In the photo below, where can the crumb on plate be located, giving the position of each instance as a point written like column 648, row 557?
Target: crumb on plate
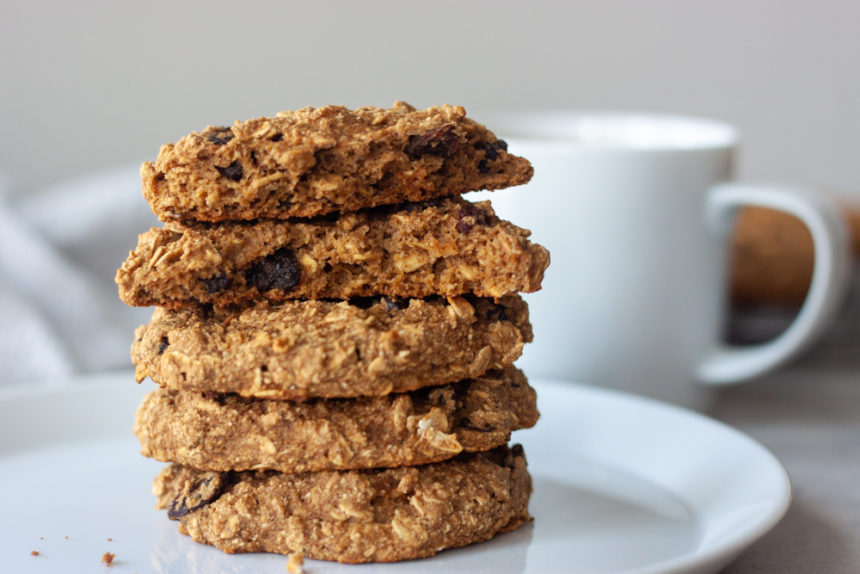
column 107, row 558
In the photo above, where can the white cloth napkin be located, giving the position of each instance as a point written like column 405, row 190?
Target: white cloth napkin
column 59, row 250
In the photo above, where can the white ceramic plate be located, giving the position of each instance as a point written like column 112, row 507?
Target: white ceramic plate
column 621, row 484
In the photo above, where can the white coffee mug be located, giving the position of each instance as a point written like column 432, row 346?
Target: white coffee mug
column 636, row 211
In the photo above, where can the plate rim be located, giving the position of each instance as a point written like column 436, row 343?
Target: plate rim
column 717, row 555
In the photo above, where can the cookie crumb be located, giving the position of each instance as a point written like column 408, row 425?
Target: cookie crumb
column 41, row 538
column 110, row 539
column 295, row 563
column 107, row 558
column 67, row 537
column 34, row 553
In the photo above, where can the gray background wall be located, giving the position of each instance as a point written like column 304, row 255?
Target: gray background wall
column 91, row 83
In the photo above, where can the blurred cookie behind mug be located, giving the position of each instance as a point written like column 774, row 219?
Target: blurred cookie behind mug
column 772, row 256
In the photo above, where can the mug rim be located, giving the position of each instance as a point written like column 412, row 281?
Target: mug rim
column 569, row 129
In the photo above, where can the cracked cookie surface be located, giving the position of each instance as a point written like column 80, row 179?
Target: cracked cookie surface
column 218, row 432
column 445, row 247
column 352, row 516
column 304, row 349
column 315, row 161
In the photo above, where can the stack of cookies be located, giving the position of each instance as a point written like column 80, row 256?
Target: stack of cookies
column 334, row 334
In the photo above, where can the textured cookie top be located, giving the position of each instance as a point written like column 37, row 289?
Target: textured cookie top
column 220, row 432
column 315, row 161
column 352, row 516
column 445, row 247
column 303, row 349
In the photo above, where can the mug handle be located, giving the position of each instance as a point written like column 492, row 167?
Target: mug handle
column 732, row 364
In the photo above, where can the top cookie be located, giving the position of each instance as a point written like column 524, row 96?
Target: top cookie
column 315, row 161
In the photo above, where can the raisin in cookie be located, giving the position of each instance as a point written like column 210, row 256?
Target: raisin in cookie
column 210, row 431
column 448, row 247
column 352, row 516
column 303, row 349
column 315, row 161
